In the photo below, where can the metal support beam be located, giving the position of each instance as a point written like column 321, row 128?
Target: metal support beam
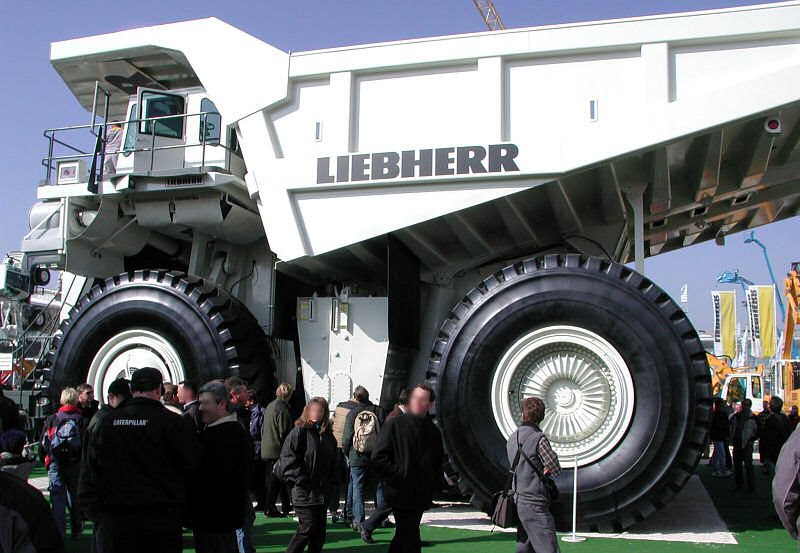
column 788, row 144
column 613, row 208
column 661, row 188
column 430, row 255
column 634, row 193
column 757, row 150
column 705, row 158
column 368, row 258
column 514, row 220
column 564, row 211
column 467, row 235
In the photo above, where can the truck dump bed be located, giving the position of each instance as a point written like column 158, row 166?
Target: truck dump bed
column 672, row 130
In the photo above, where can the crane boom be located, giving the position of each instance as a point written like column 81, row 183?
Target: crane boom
column 489, row 14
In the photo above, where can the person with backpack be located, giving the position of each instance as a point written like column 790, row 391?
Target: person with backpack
column 62, row 442
column 380, row 516
column 308, row 464
column 533, row 461
column 361, row 429
column 744, row 431
column 339, row 420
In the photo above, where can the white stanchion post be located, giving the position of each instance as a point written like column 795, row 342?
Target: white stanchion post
column 574, row 538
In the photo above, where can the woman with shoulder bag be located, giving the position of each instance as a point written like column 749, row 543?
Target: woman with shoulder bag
column 308, row 464
column 533, row 486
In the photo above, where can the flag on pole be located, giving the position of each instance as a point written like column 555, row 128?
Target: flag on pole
column 724, row 302
column 763, row 324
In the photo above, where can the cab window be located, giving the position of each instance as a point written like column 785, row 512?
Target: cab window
column 158, row 104
column 210, row 123
column 736, row 390
column 130, row 133
column 756, row 386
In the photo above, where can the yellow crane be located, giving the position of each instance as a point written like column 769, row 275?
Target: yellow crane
column 791, row 287
column 490, row 15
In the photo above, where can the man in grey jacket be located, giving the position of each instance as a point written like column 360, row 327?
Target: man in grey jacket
column 278, row 422
column 537, row 529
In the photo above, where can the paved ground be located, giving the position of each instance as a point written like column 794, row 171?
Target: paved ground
column 691, row 517
column 708, row 515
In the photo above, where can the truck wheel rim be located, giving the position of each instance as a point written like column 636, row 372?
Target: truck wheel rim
column 583, row 380
column 130, row 350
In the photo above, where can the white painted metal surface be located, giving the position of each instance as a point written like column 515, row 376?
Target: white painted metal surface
column 341, row 351
column 567, row 96
column 133, row 349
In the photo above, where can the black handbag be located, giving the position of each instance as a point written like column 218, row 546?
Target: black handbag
column 504, row 509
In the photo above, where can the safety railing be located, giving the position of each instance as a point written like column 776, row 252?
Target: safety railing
column 100, row 132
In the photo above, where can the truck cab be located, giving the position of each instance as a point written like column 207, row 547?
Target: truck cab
column 740, row 386
column 172, row 131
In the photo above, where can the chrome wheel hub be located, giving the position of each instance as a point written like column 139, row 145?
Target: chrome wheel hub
column 128, row 351
column 582, row 379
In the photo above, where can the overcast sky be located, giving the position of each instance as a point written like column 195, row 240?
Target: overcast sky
column 32, row 97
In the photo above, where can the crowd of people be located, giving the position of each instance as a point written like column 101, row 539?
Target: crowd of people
column 156, row 458
column 739, row 429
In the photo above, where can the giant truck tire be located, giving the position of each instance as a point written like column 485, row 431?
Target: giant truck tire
column 182, row 325
column 622, row 372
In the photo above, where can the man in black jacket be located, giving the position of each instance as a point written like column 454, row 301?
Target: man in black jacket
column 9, row 413
column 408, row 456
column 187, row 395
column 218, row 491
column 140, row 458
column 86, row 401
column 119, row 391
column 26, row 521
column 774, row 434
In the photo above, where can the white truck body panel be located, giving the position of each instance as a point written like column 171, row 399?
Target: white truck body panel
column 343, row 348
column 650, row 81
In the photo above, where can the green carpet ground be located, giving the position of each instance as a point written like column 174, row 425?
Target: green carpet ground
column 749, row 517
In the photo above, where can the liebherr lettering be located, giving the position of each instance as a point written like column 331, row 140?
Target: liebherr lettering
column 461, row 160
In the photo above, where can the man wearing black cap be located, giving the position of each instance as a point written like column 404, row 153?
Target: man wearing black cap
column 141, row 456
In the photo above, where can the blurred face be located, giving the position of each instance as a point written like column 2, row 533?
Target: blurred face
column 420, row 402
column 316, row 412
column 210, row 409
column 185, row 395
column 86, row 397
column 239, row 396
column 793, row 410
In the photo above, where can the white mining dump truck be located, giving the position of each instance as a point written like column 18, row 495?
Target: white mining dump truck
column 456, row 209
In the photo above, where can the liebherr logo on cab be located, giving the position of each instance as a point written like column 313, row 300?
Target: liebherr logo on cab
column 460, row 160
